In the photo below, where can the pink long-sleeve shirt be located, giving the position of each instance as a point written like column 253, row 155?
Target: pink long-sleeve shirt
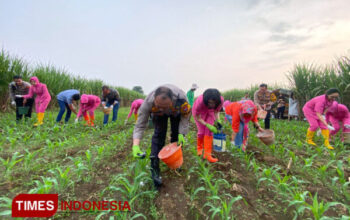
column 135, row 105
column 91, row 102
column 317, row 105
column 208, row 115
column 42, row 98
column 338, row 112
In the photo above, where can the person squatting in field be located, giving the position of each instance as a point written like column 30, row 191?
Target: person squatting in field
column 88, row 103
column 20, row 87
column 242, row 112
column 167, row 101
column 205, row 112
column 264, row 99
column 65, row 101
column 42, row 98
column 110, row 99
column 135, row 105
column 314, row 110
column 338, row 115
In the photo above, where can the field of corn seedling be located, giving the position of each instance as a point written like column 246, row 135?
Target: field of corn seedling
column 287, row 180
column 56, row 79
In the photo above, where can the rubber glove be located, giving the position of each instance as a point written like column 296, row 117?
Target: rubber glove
column 347, row 126
column 76, row 120
column 115, row 102
column 330, row 127
column 13, row 103
column 136, row 152
column 212, row 128
column 181, row 140
column 19, row 96
column 111, row 106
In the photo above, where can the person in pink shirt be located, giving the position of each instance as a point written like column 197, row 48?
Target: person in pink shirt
column 88, row 103
column 338, row 115
column 205, row 111
column 135, row 105
column 42, row 98
column 314, row 110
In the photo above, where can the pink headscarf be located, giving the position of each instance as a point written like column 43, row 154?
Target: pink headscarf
column 246, row 108
column 35, row 79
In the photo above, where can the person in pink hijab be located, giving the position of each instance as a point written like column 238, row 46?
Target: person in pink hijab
column 135, row 105
column 88, row 103
column 205, row 111
column 314, row 110
column 339, row 116
column 42, row 98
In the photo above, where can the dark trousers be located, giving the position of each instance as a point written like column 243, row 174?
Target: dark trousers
column 63, row 106
column 267, row 119
column 160, row 129
column 19, row 103
column 280, row 112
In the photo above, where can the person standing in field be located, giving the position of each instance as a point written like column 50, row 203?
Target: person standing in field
column 20, row 87
column 110, row 99
column 42, row 98
column 190, row 94
column 281, row 106
column 88, row 103
column 135, row 105
column 166, row 101
column 205, row 112
column 314, row 111
column 293, row 107
column 227, row 117
column 338, row 115
column 264, row 99
column 242, row 113
column 246, row 97
column 65, row 101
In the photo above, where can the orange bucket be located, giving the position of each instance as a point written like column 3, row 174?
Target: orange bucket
column 171, row 155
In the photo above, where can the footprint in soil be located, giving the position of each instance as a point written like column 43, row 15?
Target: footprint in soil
column 172, row 200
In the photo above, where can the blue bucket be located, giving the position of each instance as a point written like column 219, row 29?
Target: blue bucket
column 219, row 142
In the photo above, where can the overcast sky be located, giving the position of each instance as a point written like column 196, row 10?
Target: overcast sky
column 217, row 44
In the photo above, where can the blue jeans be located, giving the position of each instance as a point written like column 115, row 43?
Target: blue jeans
column 115, row 113
column 239, row 136
column 229, row 118
column 63, row 107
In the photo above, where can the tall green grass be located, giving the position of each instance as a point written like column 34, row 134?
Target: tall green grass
column 309, row 81
column 56, row 80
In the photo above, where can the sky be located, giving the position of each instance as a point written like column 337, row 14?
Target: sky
column 222, row 44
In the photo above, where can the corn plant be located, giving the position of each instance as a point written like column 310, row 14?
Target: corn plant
column 6, row 203
column 221, row 207
column 45, row 186
column 319, row 208
column 63, row 179
column 10, row 164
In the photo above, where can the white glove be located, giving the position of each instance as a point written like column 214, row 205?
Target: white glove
column 13, row 103
column 115, row 102
column 111, row 106
column 324, row 117
column 318, row 133
column 347, row 126
column 330, row 127
column 76, row 120
column 105, row 107
column 19, row 96
column 126, row 121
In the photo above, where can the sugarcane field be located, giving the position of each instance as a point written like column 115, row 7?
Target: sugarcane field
column 175, row 110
